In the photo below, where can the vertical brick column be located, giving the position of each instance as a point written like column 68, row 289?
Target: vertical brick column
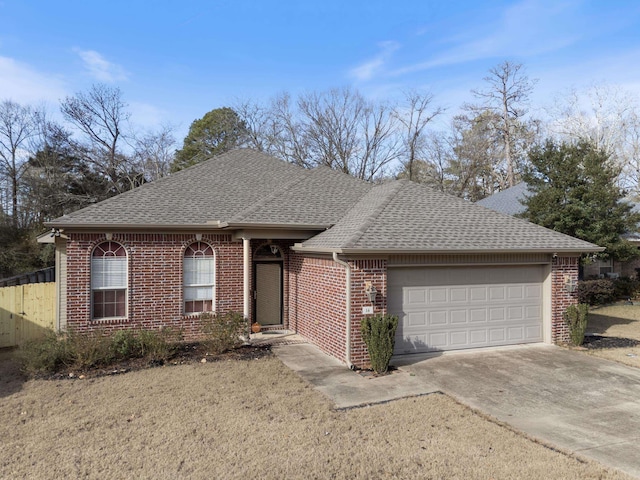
column 562, row 268
column 363, row 271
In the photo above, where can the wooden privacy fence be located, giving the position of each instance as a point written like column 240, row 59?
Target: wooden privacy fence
column 26, row 312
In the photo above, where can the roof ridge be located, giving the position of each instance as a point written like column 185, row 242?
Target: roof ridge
column 393, row 188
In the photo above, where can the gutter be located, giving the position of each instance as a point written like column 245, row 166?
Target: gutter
column 391, row 251
column 347, row 268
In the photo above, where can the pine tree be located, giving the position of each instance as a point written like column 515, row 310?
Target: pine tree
column 574, row 191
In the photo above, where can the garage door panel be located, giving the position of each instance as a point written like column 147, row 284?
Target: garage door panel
column 416, row 296
column 458, row 338
column 438, row 318
column 458, row 317
column 459, row 295
column 437, row 295
column 416, row 319
column 478, row 294
column 465, row 307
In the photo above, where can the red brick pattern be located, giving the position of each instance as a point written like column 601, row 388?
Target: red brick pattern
column 317, row 302
column 314, row 289
column 562, row 269
column 154, row 295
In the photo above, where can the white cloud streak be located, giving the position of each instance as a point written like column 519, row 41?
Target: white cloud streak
column 369, row 69
column 23, row 84
column 100, row 68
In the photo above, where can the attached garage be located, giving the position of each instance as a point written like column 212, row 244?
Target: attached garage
column 450, row 308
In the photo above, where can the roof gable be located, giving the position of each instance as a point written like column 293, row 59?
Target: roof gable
column 406, row 216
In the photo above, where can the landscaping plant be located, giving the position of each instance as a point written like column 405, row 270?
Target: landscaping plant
column 378, row 333
column 575, row 316
column 223, row 331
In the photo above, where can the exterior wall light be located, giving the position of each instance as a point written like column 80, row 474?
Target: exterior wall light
column 570, row 285
column 371, row 291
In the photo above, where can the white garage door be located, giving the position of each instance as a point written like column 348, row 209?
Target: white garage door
column 449, row 308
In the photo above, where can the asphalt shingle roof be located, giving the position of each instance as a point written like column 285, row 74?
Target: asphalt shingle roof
column 507, row 201
column 406, row 216
column 245, row 187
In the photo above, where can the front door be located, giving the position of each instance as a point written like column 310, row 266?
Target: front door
column 268, row 293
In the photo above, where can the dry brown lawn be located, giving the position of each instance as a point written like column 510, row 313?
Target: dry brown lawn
column 251, row 419
column 620, row 321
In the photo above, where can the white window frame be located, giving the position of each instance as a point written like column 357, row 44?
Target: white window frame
column 124, row 288
column 208, row 285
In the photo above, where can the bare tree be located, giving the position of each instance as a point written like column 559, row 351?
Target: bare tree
column 18, row 124
column 414, row 116
column 153, row 153
column 100, row 115
column 506, row 95
column 607, row 117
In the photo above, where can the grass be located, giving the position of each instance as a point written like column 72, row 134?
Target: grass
column 621, row 321
column 250, row 419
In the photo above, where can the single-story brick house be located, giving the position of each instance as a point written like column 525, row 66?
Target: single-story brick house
column 312, row 251
column 510, row 202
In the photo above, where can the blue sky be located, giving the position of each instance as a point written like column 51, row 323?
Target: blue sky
column 174, row 61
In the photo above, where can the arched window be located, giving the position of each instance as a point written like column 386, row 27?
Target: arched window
column 109, row 280
column 198, row 278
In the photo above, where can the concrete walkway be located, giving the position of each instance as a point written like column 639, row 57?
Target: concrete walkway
column 344, row 387
column 567, row 399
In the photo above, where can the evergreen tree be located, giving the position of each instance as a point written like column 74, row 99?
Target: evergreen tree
column 573, row 191
column 219, row 131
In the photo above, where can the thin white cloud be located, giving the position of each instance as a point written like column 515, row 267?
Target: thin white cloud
column 527, row 28
column 100, row 68
column 23, row 84
column 367, row 70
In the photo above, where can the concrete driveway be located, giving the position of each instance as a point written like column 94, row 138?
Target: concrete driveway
column 571, row 400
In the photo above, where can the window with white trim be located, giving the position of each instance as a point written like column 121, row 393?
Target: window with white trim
column 198, row 278
column 108, row 281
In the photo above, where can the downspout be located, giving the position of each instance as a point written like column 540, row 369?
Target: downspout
column 347, row 268
column 246, row 290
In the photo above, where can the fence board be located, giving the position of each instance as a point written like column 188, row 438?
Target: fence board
column 26, row 312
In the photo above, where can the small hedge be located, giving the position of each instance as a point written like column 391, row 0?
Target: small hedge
column 223, row 331
column 575, row 316
column 379, row 333
column 596, row 292
column 606, row 290
column 57, row 351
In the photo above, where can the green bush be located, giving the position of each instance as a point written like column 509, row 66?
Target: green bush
column 223, row 331
column 45, row 355
column 625, row 287
column 378, row 333
column 57, row 351
column 596, row 292
column 575, row 316
column 158, row 346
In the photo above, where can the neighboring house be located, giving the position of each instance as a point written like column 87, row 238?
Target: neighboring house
column 312, row 251
column 510, row 202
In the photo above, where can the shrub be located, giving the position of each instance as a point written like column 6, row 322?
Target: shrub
column 575, row 316
column 223, row 331
column 91, row 349
column 45, row 355
column 625, row 287
column 596, row 292
column 125, row 344
column 379, row 333
column 72, row 349
column 158, row 346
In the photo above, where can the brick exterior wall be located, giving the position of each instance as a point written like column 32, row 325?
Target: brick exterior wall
column 154, row 294
column 362, row 271
column 561, row 269
column 317, row 302
column 314, row 291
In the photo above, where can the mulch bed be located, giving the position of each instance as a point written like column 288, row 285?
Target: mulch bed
column 594, row 342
